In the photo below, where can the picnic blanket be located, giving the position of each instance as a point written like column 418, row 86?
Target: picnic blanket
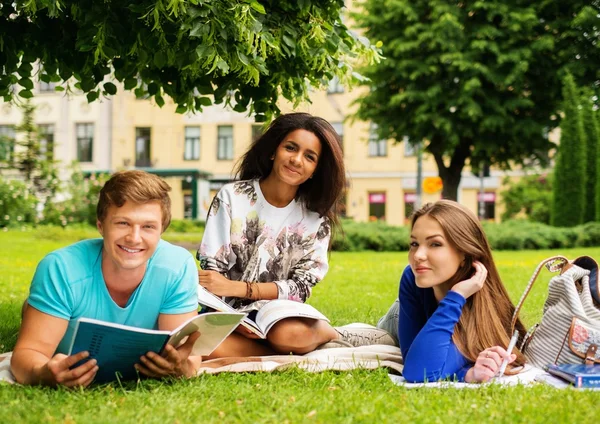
column 339, row 359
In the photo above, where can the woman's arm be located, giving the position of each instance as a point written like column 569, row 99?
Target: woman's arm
column 427, row 348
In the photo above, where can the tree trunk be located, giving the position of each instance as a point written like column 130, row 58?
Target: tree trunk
column 451, row 174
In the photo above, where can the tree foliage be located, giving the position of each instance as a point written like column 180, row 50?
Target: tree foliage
column 590, row 129
column 568, row 199
column 478, row 81
column 531, row 196
column 244, row 53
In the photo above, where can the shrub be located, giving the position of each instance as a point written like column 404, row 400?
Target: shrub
column 17, row 205
column 186, row 226
column 81, row 197
column 530, row 195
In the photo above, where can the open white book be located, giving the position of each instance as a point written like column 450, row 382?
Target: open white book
column 117, row 348
column 269, row 314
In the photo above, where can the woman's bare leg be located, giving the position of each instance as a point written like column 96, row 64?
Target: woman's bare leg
column 300, row 335
column 237, row 345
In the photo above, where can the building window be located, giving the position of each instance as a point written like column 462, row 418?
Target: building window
column 377, row 147
column 142, row 147
column 225, row 142
column 489, row 205
column 409, row 148
column 257, row 131
column 409, row 204
column 192, row 143
column 335, row 86
column 339, row 128
column 46, row 132
column 47, row 87
column 85, row 142
column 7, row 142
column 377, row 206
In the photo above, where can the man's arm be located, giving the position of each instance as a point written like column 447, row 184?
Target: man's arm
column 175, row 361
column 33, row 360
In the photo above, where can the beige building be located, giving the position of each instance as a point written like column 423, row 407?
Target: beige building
column 72, row 129
column 196, row 153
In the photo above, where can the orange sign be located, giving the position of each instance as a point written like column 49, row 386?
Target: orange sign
column 432, row 185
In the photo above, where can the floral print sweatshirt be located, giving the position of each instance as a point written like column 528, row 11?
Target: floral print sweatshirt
column 248, row 239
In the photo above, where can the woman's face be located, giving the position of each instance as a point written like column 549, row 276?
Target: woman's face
column 432, row 258
column 297, row 157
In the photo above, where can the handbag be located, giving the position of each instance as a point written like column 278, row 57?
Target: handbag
column 569, row 331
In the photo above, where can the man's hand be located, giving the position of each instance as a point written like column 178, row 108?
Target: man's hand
column 56, row 371
column 217, row 284
column 472, row 285
column 175, row 362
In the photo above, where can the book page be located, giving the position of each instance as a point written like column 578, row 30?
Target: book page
column 279, row 309
column 208, row 299
column 528, row 375
column 214, row 327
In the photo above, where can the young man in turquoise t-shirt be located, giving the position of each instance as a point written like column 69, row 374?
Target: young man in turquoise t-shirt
column 128, row 277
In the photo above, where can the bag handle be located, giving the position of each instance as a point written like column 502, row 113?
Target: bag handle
column 553, row 264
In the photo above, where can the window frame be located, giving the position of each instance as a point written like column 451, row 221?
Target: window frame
column 87, row 136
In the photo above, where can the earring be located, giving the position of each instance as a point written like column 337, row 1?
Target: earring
column 273, row 157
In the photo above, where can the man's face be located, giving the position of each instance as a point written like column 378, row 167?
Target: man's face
column 131, row 234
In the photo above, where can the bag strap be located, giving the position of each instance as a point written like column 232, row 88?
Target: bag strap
column 553, row 264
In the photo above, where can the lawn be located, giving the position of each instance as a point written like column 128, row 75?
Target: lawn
column 359, row 287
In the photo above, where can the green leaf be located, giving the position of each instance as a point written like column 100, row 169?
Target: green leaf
column 181, row 109
column 92, row 95
column 243, row 58
column 258, row 7
column 59, row 88
column 289, row 41
column 160, row 59
column 204, row 101
column 159, row 100
column 110, row 88
column 152, row 88
column 26, row 94
column 27, row 83
column 130, row 83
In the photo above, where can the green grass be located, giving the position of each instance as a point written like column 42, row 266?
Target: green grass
column 359, row 287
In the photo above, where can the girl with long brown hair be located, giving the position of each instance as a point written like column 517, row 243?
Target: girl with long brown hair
column 455, row 314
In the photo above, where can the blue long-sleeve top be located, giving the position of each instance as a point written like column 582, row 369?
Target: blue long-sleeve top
column 425, row 331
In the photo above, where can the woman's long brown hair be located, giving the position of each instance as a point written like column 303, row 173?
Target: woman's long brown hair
column 323, row 191
column 486, row 317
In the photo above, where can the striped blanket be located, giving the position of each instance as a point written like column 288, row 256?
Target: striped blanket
column 339, row 359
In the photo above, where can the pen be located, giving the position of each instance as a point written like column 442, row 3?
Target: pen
column 511, row 345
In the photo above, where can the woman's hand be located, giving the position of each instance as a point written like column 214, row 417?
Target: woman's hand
column 240, row 329
column 471, row 286
column 487, row 365
column 217, row 284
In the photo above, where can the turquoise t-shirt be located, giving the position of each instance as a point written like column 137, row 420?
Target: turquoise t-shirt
column 68, row 283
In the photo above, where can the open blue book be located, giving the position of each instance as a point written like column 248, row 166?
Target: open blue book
column 580, row 375
column 117, row 348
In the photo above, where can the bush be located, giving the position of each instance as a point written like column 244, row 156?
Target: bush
column 186, row 226
column 530, row 195
column 17, row 206
column 80, row 204
column 509, row 235
column 589, row 235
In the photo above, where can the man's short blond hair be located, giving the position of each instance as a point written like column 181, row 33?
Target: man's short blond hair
column 137, row 187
